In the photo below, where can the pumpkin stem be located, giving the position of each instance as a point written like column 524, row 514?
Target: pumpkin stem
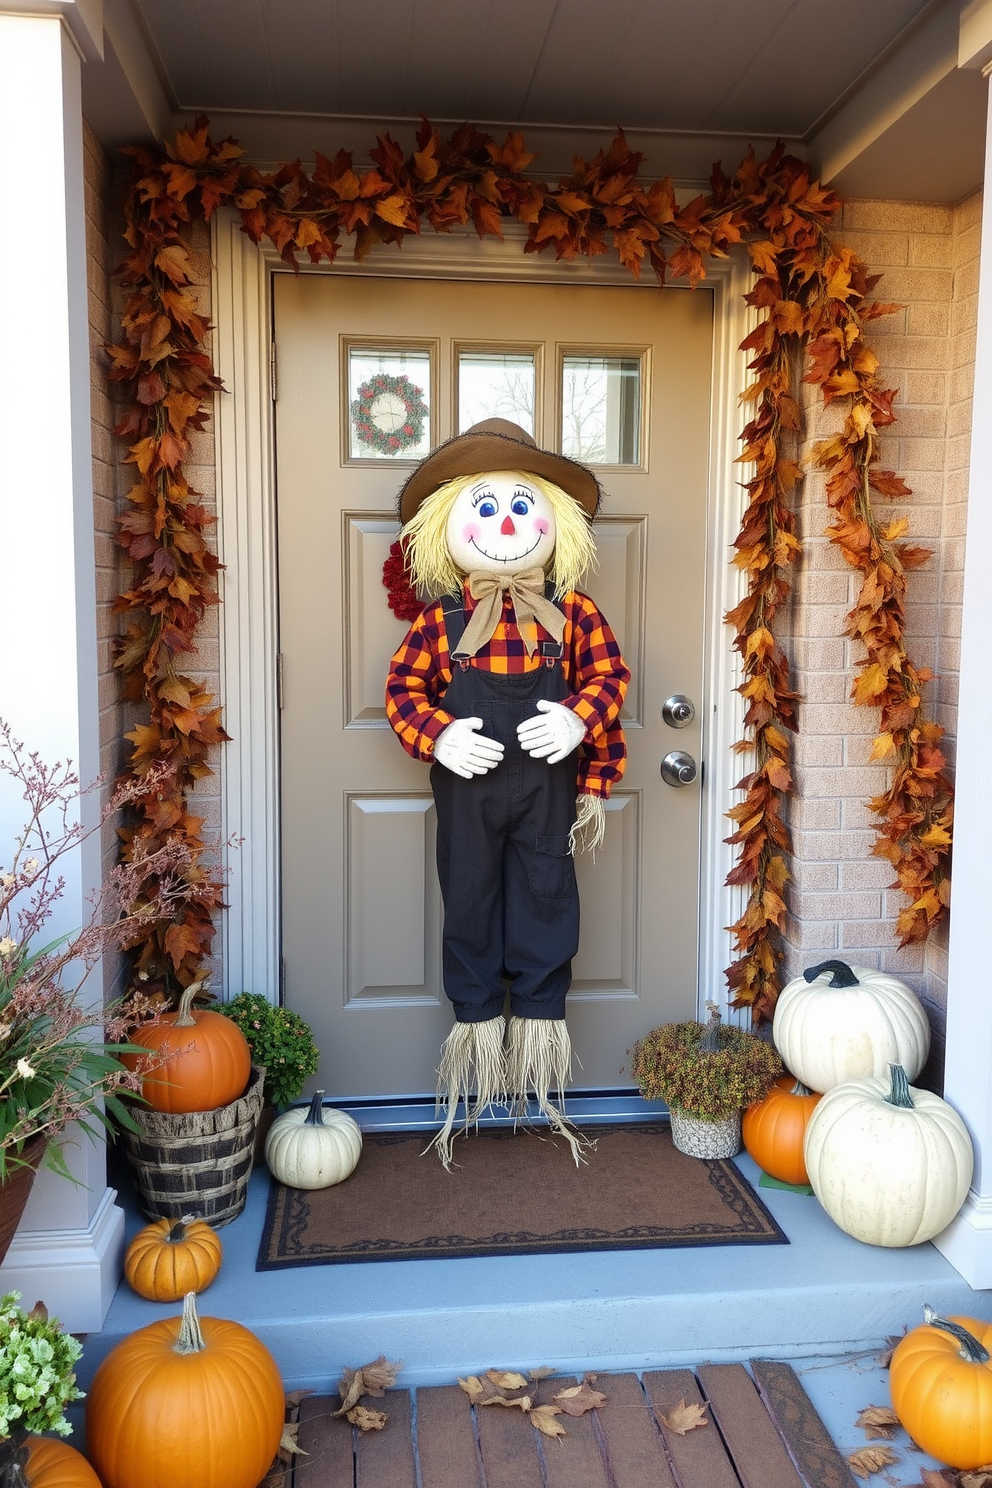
column 971, row 1349
column 315, row 1115
column 899, row 1089
column 184, row 1017
column 190, row 1340
column 178, row 1228
column 800, row 1089
column 843, row 975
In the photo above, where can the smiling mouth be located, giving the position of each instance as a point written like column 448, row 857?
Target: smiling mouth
column 513, row 558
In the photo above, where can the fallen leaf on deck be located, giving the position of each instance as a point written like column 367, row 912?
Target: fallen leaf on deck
column 578, row 1399
column 871, row 1460
column 523, row 1401
column 980, row 1478
column 287, row 1445
column 884, row 1359
column 367, row 1419
column 932, row 1479
column 685, row 1418
column 368, row 1379
column 542, row 1372
column 543, row 1417
column 878, row 1421
column 506, row 1379
column 295, row 1397
column 473, row 1387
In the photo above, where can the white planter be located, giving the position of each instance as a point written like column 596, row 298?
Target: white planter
column 698, row 1138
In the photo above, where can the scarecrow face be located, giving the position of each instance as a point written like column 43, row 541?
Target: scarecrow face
column 502, row 523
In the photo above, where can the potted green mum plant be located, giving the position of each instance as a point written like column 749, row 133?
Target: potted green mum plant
column 707, row 1073
column 281, row 1042
column 37, row 1382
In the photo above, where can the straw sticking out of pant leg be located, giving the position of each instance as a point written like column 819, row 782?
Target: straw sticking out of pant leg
column 473, row 1060
column 589, row 828
column 539, row 1061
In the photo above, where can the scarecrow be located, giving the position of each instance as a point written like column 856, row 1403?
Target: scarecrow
column 510, row 685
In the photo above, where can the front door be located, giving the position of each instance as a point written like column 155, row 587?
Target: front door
column 373, row 372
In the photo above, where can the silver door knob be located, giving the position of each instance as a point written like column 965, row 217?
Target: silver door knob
column 677, row 711
column 678, row 768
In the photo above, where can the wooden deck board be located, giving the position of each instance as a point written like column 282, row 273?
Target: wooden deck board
column 509, row 1449
column 749, row 1434
column 634, row 1446
column 384, row 1459
column 328, row 1443
column 446, row 1439
column 575, row 1459
column 699, row 1456
column 795, row 1416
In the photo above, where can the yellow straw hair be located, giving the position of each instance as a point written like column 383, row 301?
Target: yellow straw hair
column 431, row 566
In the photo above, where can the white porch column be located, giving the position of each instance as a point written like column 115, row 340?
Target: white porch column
column 67, row 1251
column 967, row 1242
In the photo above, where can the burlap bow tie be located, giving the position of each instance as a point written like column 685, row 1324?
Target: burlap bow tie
column 529, row 606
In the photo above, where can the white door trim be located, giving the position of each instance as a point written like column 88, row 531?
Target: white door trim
column 249, row 766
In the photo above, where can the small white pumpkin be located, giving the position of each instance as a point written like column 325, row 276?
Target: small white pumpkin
column 313, row 1147
column 854, row 1025
column 890, row 1164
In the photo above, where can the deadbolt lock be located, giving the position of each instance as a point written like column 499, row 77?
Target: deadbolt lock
column 678, row 711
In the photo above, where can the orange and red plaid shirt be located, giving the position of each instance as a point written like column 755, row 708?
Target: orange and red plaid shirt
column 594, row 669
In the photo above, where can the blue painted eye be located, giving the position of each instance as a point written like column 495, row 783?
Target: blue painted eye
column 520, row 507
column 486, row 508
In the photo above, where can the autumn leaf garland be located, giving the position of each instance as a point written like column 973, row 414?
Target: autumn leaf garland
column 810, row 293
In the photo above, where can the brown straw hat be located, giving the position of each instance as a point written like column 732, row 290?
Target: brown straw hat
column 497, row 444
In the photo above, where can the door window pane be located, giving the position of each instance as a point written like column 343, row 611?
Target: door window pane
column 601, row 409
column 389, row 395
column 496, row 384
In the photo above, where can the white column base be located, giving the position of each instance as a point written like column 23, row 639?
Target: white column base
column 74, row 1272
column 967, row 1242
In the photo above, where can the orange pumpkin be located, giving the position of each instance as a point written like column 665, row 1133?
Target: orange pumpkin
column 54, row 1464
column 185, row 1404
column 941, row 1383
column 171, row 1257
column 773, row 1129
column 208, row 1060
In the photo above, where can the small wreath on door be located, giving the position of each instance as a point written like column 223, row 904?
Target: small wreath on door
column 389, row 414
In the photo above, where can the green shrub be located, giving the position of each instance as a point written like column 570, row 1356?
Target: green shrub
column 674, row 1064
column 280, row 1041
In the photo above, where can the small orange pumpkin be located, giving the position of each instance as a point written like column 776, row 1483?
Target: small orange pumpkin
column 185, row 1404
column 941, row 1383
column 208, row 1060
column 54, row 1464
column 773, row 1129
column 171, row 1257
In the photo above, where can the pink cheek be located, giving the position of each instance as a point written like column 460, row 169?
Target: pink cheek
column 541, row 525
column 470, row 532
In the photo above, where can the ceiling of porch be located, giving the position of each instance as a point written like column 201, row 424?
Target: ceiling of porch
column 872, row 92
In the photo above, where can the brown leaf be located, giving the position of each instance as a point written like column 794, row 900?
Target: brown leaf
column 367, row 1419
column 543, row 1371
column 578, row 1399
column 506, row 1379
column 933, row 1479
column 525, row 1402
column 878, row 1421
column 294, row 1397
column 543, row 1417
column 368, row 1379
column 980, row 1478
column 685, row 1418
column 473, row 1387
column 871, row 1460
column 287, row 1444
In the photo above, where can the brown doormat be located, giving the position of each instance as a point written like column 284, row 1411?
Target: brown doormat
column 515, row 1193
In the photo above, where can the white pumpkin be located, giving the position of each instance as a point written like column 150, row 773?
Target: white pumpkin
column 313, row 1146
column 890, row 1164
column 854, row 1025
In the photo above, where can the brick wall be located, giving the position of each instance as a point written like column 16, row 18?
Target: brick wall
column 841, row 904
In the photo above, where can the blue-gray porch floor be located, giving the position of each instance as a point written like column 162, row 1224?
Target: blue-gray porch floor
column 825, row 1301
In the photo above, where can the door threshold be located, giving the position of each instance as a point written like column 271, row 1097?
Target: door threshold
column 582, row 1108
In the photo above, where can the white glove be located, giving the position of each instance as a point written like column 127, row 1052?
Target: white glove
column 551, row 734
column 460, row 749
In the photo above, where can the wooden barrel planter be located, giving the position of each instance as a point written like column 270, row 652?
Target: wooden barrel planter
column 198, row 1162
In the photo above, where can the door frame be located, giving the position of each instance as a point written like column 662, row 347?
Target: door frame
column 249, row 779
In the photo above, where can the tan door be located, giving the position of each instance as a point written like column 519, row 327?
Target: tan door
column 616, row 375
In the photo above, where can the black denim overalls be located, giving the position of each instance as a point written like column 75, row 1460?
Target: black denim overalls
column 511, row 906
